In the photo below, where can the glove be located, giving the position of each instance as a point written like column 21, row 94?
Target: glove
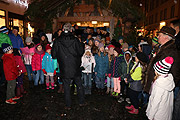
column 120, row 79
column 54, row 72
column 35, row 72
column 44, row 71
column 109, row 75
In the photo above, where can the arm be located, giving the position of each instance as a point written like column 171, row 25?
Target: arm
column 43, row 62
column 33, row 63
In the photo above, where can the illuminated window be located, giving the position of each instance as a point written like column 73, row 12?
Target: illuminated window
column 2, row 18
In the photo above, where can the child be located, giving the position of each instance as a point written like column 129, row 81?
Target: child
column 37, row 64
column 27, row 52
column 11, row 73
column 48, row 67
column 160, row 106
column 125, row 67
column 114, row 71
column 134, row 79
column 101, row 68
column 88, row 62
column 19, row 86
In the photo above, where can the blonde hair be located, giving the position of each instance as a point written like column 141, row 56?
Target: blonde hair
column 99, row 53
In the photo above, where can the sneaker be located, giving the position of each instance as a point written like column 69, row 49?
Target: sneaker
column 10, row 101
column 120, row 100
column 47, row 88
column 52, row 87
column 16, row 98
column 113, row 93
column 128, row 101
column 130, row 107
column 67, row 108
column 134, row 111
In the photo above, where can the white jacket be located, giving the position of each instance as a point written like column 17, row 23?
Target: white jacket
column 160, row 106
column 87, row 63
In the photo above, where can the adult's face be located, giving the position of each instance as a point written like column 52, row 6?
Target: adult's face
column 15, row 32
column 88, row 30
column 121, row 41
column 161, row 38
column 43, row 38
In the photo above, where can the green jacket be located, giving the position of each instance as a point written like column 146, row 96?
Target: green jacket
column 4, row 38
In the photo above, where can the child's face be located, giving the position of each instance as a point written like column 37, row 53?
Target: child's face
column 43, row 38
column 39, row 48
column 136, row 59
column 107, row 42
column 115, row 53
column 10, row 51
column 96, row 43
column 28, row 43
column 121, row 41
column 48, row 51
column 127, row 57
column 90, row 42
column 101, row 49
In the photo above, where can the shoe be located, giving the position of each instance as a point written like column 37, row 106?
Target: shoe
column 16, row 98
column 134, row 111
column 52, row 86
column 10, row 101
column 116, row 95
column 129, row 107
column 128, row 101
column 67, row 108
column 113, row 93
column 120, row 100
column 83, row 104
column 47, row 86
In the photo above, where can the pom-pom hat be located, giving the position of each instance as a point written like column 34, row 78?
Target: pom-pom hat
column 48, row 47
column 163, row 66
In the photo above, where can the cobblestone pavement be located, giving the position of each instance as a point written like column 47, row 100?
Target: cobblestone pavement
column 41, row 104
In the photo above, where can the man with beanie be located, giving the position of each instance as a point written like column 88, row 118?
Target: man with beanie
column 16, row 39
column 68, row 51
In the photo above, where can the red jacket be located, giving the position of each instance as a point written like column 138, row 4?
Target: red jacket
column 20, row 64
column 37, row 61
column 10, row 69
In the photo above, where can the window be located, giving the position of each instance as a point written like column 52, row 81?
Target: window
column 172, row 11
column 156, row 17
column 161, row 15
column 2, row 18
column 165, row 14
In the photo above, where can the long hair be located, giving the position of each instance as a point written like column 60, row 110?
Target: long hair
column 99, row 53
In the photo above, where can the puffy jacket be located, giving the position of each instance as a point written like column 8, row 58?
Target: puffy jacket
column 20, row 64
column 10, row 69
column 48, row 63
column 37, row 61
column 102, row 63
column 4, row 38
column 17, row 41
column 87, row 62
column 28, row 54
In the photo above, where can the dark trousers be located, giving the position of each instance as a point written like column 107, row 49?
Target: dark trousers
column 176, row 110
column 2, row 76
column 11, row 85
column 19, row 80
column 67, row 90
column 133, row 95
column 123, row 87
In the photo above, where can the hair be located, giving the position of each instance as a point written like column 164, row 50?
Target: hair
column 155, row 77
column 176, row 22
column 99, row 53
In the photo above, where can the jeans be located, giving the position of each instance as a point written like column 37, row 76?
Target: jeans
column 87, row 82
column 100, row 82
column 29, row 72
column 134, row 97
column 67, row 90
column 40, row 75
column 110, row 82
column 11, row 85
column 176, row 90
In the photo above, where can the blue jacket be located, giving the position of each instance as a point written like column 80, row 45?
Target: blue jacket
column 114, row 68
column 102, row 63
column 17, row 41
column 48, row 63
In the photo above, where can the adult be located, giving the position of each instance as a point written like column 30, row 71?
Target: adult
column 68, row 50
column 43, row 40
column 167, row 48
column 16, row 39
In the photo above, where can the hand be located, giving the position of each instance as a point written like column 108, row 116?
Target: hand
column 109, row 75
column 54, row 72
column 19, row 73
column 95, row 73
column 125, row 79
column 35, row 72
column 44, row 71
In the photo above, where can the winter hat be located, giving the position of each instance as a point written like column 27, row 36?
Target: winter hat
column 4, row 29
column 111, row 46
column 118, row 50
column 48, row 47
column 6, row 47
column 96, row 40
column 42, row 34
column 155, row 40
column 100, row 45
column 120, row 37
column 16, row 27
column 168, row 31
column 142, row 57
column 28, row 40
column 163, row 66
column 125, row 45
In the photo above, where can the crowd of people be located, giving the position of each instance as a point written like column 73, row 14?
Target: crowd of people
column 83, row 58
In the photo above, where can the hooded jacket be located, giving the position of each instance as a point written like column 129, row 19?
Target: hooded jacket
column 20, row 64
column 68, row 51
column 160, row 106
column 4, row 38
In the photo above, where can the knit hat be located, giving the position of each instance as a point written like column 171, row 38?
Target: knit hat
column 118, row 50
column 168, row 31
column 4, row 29
column 28, row 40
column 125, row 45
column 6, row 47
column 96, row 40
column 16, row 27
column 111, row 46
column 100, row 45
column 142, row 57
column 163, row 66
column 48, row 47
column 120, row 37
column 155, row 40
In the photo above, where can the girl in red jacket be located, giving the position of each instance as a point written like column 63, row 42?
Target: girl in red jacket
column 11, row 73
column 37, row 64
column 22, row 69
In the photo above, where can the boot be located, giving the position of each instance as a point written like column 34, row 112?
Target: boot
column 52, row 86
column 47, row 86
column 18, row 92
column 60, row 88
column 116, row 95
column 108, row 89
column 134, row 111
column 22, row 90
column 129, row 107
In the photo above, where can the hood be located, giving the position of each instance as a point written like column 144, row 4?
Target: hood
column 166, row 82
column 67, row 39
column 7, row 56
column 127, row 52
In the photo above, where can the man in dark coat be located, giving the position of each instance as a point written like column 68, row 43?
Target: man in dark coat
column 167, row 48
column 68, row 50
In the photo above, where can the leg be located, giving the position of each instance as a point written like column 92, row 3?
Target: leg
column 89, row 83
column 47, row 82
column 28, row 68
column 41, row 77
column 11, row 85
column 67, row 90
column 80, row 90
column 37, row 78
column 97, row 82
column 118, row 85
column 85, row 82
column 52, row 82
column 115, row 85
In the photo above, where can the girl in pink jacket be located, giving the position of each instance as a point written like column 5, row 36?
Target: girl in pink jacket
column 37, row 64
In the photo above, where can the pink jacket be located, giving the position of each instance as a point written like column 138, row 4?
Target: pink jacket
column 37, row 61
column 20, row 64
column 27, row 54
